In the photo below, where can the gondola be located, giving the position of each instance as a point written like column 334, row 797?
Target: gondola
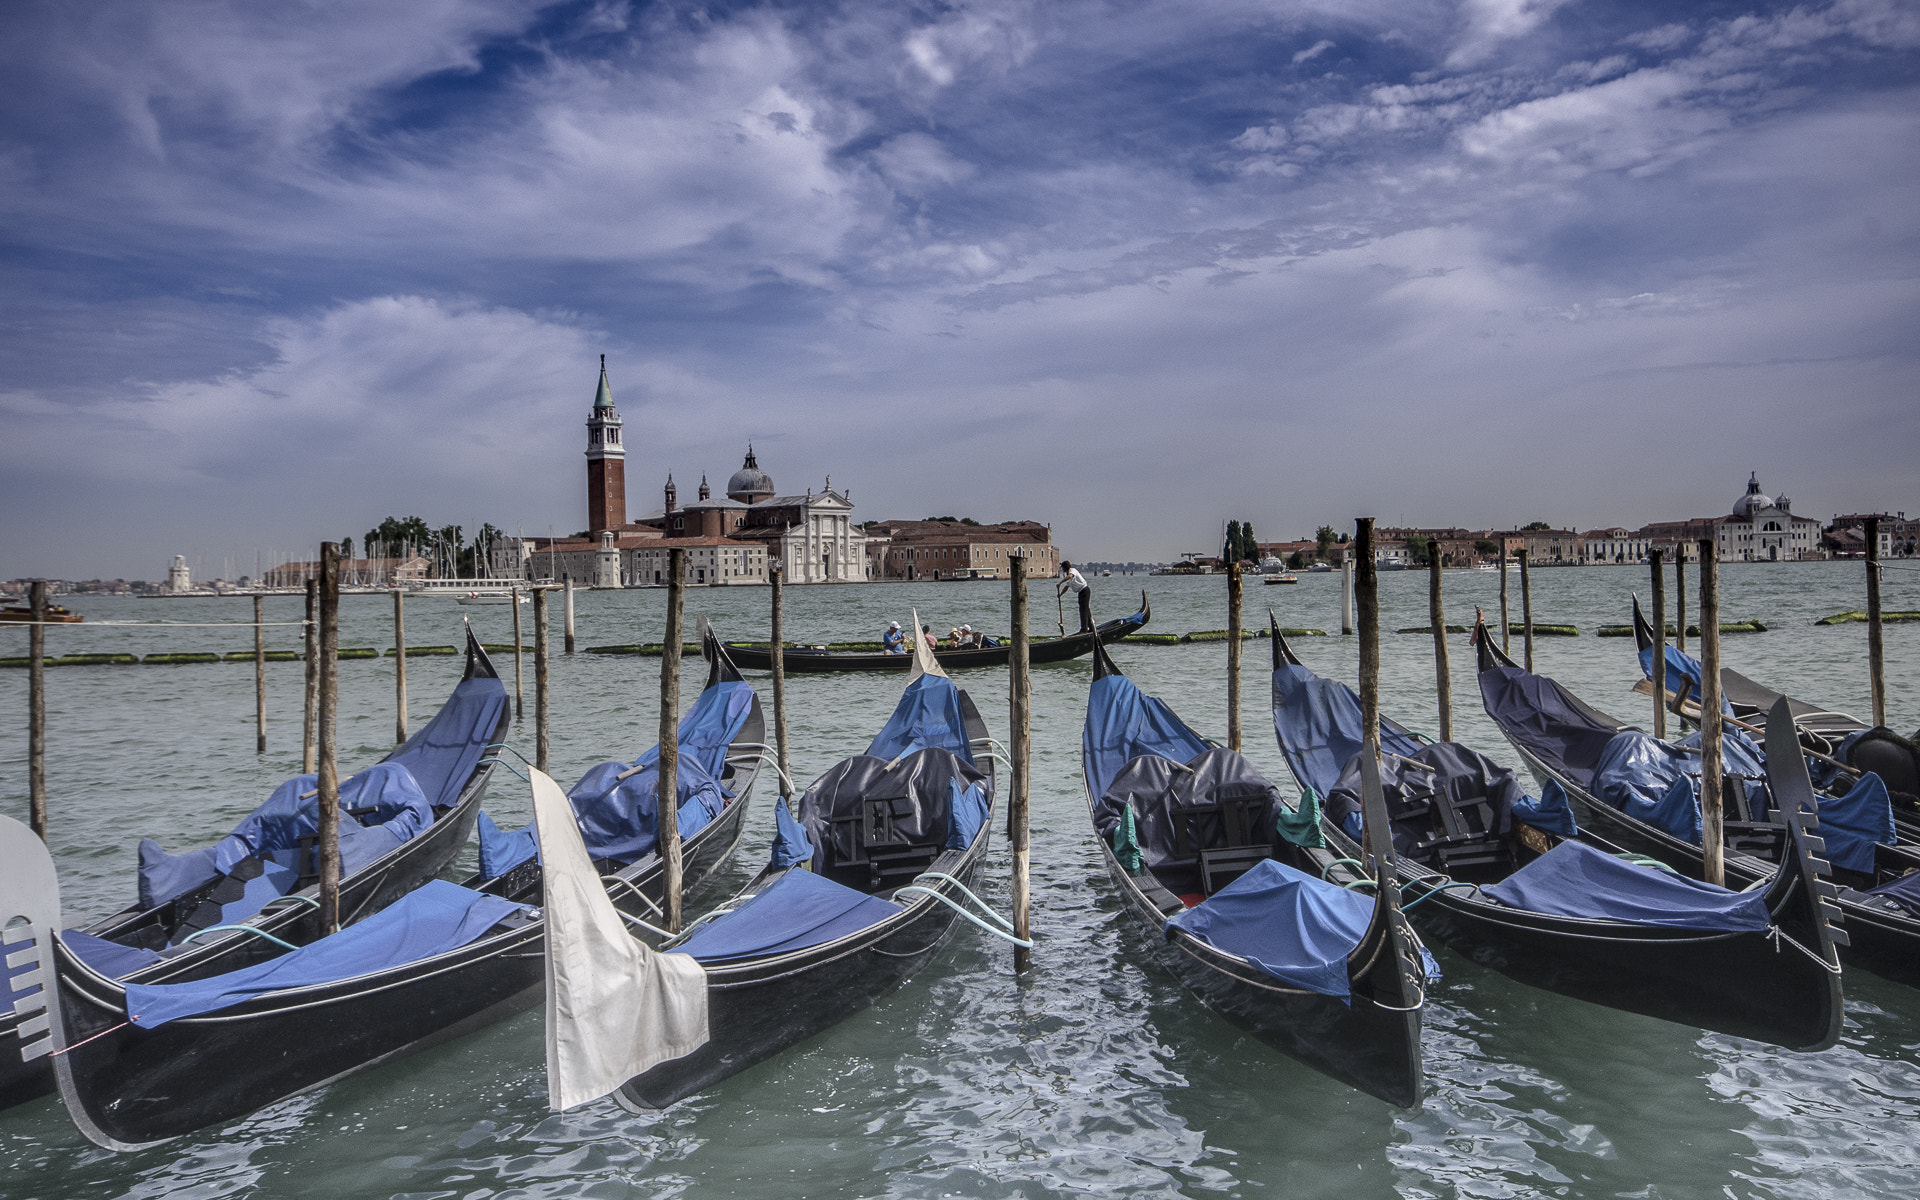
column 137, row 1065
column 1512, row 883
column 753, row 657
column 227, row 906
column 1564, row 741
column 861, row 890
column 1275, row 936
column 1863, row 747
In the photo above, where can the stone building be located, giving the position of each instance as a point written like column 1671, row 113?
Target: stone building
column 1614, row 545
column 956, row 550
column 1763, row 528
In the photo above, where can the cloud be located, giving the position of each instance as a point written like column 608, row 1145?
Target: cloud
column 1311, row 52
column 1489, row 23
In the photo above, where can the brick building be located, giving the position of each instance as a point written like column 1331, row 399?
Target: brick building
column 957, row 550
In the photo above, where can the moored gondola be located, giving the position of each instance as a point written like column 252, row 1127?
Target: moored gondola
column 1638, row 793
column 139, row 1064
column 223, row 907
column 1041, row 650
column 863, row 887
column 1514, row 884
column 1277, row 936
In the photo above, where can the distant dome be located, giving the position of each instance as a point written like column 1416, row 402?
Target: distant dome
column 750, row 483
column 1754, row 500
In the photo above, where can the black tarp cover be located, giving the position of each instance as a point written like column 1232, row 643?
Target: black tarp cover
column 923, row 779
column 1156, row 788
column 1455, row 771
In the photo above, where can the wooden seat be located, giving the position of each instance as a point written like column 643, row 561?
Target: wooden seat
column 1222, row 840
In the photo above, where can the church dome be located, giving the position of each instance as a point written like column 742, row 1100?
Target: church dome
column 1754, row 500
column 750, row 483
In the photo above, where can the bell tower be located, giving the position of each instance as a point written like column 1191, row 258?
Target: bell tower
column 606, row 462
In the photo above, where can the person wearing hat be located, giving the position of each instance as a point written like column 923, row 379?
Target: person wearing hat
column 1072, row 578
column 893, row 641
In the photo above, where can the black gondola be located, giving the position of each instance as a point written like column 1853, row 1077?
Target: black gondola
column 1041, row 650
column 878, row 827
column 1562, row 739
column 437, row 964
column 191, row 934
column 1863, row 747
column 1348, row 1006
column 1584, row 922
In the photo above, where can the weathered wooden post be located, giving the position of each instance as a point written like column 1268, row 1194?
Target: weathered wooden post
column 1711, row 838
column 777, row 582
column 540, row 738
column 1659, row 645
column 1234, row 589
column 1346, row 590
column 1019, row 713
column 569, row 617
column 1506, row 625
column 399, row 667
column 259, row 674
column 310, row 721
column 1680, row 596
column 1526, row 605
column 669, row 795
column 329, row 782
column 1437, row 613
column 1367, row 591
column 519, row 693
column 37, row 709
column 1876, row 661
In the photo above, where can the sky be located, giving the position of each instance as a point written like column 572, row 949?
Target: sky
column 269, row 273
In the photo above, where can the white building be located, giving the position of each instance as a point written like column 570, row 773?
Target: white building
column 179, row 579
column 1764, row 529
column 1615, row 546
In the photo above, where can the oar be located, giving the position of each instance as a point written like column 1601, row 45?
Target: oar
column 1061, row 604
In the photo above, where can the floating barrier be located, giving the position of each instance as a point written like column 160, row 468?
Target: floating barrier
column 1539, row 630
column 427, row 651
column 1450, row 629
column 178, row 657
column 1857, row 617
column 1693, row 631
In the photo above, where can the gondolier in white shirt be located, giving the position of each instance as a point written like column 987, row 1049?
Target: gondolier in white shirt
column 1070, row 577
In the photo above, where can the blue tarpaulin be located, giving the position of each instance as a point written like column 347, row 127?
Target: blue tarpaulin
column 966, row 812
column 791, row 846
column 1551, row 723
column 1550, row 812
column 1652, row 781
column 1904, row 891
column 1124, row 723
column 798, row 910
column 1576, row 880
column 1294, row 927
column 442, row 755
column 1681, row 665
column 109, row 958
column 1851, row 824
column 928, row 716
column 436, row 918
column 1318, row 721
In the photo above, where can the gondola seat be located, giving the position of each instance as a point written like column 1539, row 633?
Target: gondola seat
column 1200, row 824
column 876, row 823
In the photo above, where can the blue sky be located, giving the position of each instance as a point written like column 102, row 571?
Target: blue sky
column 272, row 272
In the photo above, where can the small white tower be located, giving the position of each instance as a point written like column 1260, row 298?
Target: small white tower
column 179, row 579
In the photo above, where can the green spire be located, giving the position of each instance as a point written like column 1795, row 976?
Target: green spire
column 604, row 397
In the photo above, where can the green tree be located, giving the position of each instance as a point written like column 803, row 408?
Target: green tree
column 1536, row 525
column 346, row 548
column 1296, row 560
column 1231, row 551
column 1323, row 541
column 1249, row 545
column 393, row 531
column 1418, row 548
column 1486, row 548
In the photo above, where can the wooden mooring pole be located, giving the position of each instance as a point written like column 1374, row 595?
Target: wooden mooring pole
column 1437, row 613
column 399, row 666
column 1659, row 670
column 1346, row 591
column 669, row 795
column 569, row 614
column 1876, row 652
column 37, row 709
column 1506, row 626
column 329, row 677
column 777, row 585
column 1680, row 597
column 1526, row 605
column 540, row 657
column 259, row 674
column 1711, row 838
column 310, row 719
column 1367, row 593
column 1234, row 590
column 1020, row 717
column 519, row 693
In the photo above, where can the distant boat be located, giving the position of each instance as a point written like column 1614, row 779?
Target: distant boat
column 489, row 597
column 1289, row 578
column 471, row 591
column 55, row 614
column 1317, row 568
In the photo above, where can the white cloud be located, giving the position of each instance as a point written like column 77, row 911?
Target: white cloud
column 914, row 162
column 1312, row 52
column 1492, row 22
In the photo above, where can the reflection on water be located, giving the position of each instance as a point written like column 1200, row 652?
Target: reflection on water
column 1096, row 1074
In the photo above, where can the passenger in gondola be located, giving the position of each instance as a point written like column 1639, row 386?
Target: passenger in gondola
column 1070, row 577
column 893, row 641
column 926, row 631
column 955, row 639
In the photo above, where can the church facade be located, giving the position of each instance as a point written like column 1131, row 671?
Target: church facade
column 809, row 536
column 1763, row 528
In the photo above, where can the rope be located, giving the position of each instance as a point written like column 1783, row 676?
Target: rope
column 764, row 755
column 1416, row 1006
column 1328, row 869
column 257, row 932
column 968, row 892
column 633, row 887
column 95, row 1037
column 1415, row 903
column 956, row 907
column 503, row 762
column 1780, row 935
column 298, row 899
column 510, row 750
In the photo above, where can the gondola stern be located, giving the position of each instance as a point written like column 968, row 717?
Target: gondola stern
column 1809, row 915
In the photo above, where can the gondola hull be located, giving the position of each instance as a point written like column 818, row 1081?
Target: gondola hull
column 1040, row 650
column 362, row 893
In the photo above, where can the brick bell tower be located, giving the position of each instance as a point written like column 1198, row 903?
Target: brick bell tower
column 606, row 463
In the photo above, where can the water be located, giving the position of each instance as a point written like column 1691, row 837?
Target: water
column 1096, row 1073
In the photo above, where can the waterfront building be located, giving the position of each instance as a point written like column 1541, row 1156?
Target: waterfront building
column 1553, row 545
column 179, row 578
column 1614, row 545
column 1763, row 528
column 958, row 550
column 1899, row 537
column 606, row 462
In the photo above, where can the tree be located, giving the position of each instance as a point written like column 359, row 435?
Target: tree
column 483, row 547
column 1323, row 541
column 1249, row 545
column 1231, row 551
column 1296, row 560
column 1535, row 525
column 1486, row 548
column 1418, row 548
column 346, row 548
column 394, row 532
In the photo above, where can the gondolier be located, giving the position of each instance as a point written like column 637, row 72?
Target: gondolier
column 1070, row 577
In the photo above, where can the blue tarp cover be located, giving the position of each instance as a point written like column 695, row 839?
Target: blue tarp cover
column 1851, row 824
column 928, row 716
column 442, row 754
column 791, row 846
column 966, row 812
column 1550, row 812
column 1124, row 723
column 436, row 918
column 798, row 910
column 1904, row 891
column 1681, row 665
column 1318, row 721
column 1659, row 782
column 1576, row 880
column 109, row 958
column 1553, row 724
column 1294, row 927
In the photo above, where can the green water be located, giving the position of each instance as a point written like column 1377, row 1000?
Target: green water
column 1096, row 1073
